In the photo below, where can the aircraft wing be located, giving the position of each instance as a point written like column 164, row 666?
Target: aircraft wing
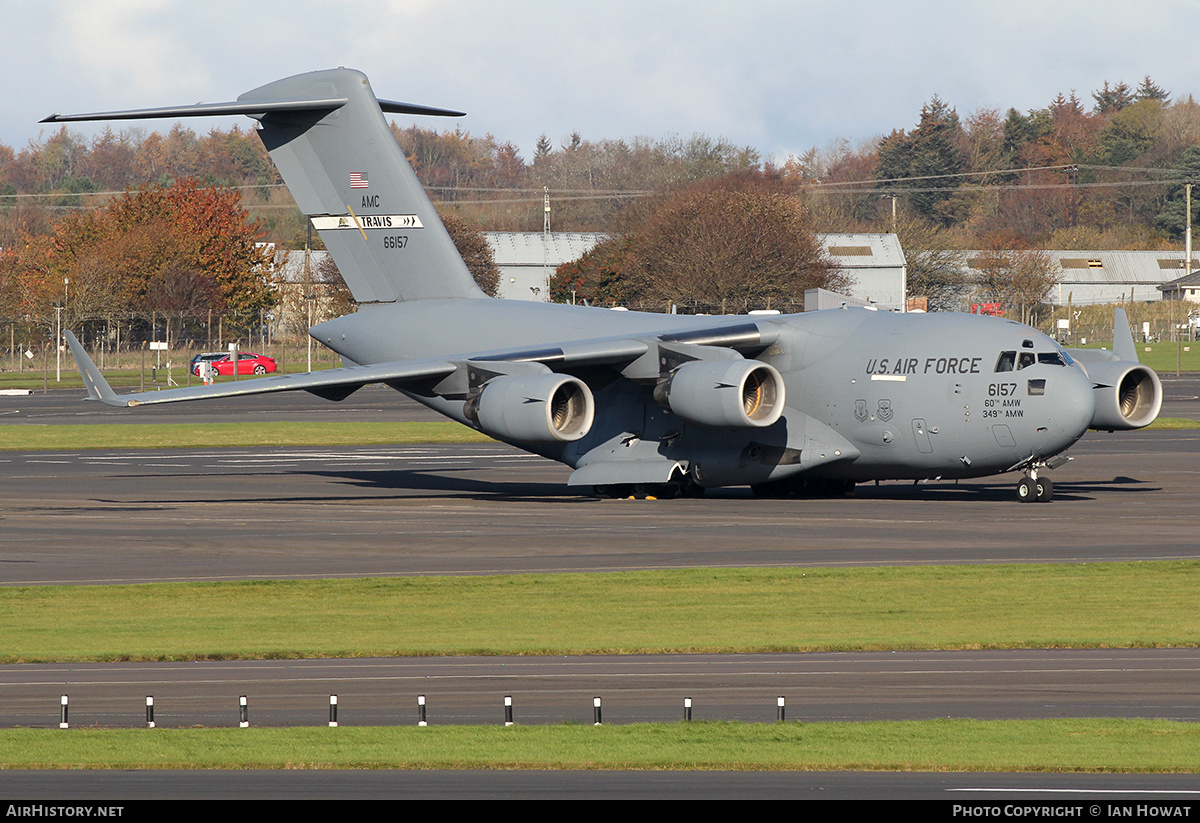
column 331, row 383
column 336, row 384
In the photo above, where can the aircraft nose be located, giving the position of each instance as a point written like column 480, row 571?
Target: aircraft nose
column 1074, row 406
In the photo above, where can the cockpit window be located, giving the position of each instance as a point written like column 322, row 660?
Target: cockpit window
column 1051, row 358
column 1026, row 359
column 1006, row 361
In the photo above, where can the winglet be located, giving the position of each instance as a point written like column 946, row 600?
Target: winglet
column 93, row 380
column 1123, row 338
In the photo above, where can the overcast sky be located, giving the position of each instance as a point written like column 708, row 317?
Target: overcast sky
column 779, row 76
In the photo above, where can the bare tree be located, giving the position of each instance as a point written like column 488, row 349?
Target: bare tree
column 1019, row 280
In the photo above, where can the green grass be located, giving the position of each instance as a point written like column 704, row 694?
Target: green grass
column 689, row 610
column 68, row 437
column 1162, row 357
column 723, row 610
column 940, row 745
column 1172, row 424
column 31, row 437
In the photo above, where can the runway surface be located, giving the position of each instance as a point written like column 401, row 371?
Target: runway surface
column 986, row 685
column 213, row 514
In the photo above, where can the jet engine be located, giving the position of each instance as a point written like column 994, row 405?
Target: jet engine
column 544, row 408
column 1128, row 395
column 724, row 394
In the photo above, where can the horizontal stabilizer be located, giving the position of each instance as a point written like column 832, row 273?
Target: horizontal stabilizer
column 328, row 137
column 256, row 109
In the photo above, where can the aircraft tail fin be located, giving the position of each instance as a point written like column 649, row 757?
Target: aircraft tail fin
column 327, row 135
column 1123, row 346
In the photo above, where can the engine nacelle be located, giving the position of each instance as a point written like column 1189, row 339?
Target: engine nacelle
column 1128, row 395
column 724, row 394
column 542, row 408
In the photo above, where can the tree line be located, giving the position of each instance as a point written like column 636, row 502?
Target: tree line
column 1106, row 173
column 158, row 262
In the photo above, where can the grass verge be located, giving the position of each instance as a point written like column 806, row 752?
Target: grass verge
column 1117, row 605
column 1104, row 745
column 244, row 435
column 69, row 437
column 1172, row 424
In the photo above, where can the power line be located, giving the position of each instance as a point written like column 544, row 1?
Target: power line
column 831, row 187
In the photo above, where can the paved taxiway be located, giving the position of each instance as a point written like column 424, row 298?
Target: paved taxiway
column 107, row 517
column 97, row 517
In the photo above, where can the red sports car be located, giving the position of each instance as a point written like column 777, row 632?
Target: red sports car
column 248, row 363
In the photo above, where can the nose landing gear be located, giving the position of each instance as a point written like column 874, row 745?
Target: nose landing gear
column 1035, row 489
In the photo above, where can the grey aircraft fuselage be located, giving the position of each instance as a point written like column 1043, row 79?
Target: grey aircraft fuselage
column 917, row 395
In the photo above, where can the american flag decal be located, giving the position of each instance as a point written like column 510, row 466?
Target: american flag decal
column 358, row 180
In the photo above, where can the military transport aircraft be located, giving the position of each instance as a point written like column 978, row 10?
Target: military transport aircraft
column 650, row 404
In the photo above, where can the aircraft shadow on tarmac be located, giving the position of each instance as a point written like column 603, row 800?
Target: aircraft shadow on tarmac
column 1066, row 490
column 474, row 488
column 452, row 485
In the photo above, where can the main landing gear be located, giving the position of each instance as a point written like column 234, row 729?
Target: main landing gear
column 681, row 487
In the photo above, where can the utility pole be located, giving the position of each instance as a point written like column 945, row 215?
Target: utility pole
column 308, row 288
column 58, row 342
column 58, row 310
column 1187, row 270
column 545, row 237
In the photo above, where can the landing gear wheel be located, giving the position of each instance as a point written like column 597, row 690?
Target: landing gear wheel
column 1045, row 490
column 1027, row 490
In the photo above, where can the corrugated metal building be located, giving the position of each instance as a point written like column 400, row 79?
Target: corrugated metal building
column 876, row 264
column 1087, row 277
column 528, row 259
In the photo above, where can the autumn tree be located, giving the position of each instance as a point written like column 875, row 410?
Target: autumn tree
column 474, row 249
column 602, row 276
column 204, row 229
column 725, row 245
column 1019, row 279
column 182, row 250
